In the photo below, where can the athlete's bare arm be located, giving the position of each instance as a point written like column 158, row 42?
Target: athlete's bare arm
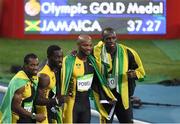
column 44, row 81
column 17, row 108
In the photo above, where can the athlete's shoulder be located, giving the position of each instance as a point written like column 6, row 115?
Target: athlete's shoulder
column 123, row 46
column 99, row 44
column 126, row 47
column 69, row 57
column 97, row 48
column 20, row 76
column 46, row 69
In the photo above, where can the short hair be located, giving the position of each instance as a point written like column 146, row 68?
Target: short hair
column 28, row 56
column 51, row 49
column 83, row 37
column 108, row 30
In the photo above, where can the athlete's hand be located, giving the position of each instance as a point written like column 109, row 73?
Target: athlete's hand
column 61, row 99
column 70, row 89
column 131, row 74
column 40, row 117
column 112, row 102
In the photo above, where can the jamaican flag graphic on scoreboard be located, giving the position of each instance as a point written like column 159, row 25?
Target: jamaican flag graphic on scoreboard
column 32, row 25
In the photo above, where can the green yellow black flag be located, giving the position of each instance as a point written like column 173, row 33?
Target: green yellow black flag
column 32, row 25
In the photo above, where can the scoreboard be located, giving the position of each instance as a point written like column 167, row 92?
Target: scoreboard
column 92, row 16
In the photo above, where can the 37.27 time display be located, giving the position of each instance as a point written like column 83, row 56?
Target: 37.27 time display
column 146, row 26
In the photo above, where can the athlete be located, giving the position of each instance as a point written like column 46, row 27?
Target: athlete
column 80, row 79
column 48, row 98
column 17, row 104
column 121, row 66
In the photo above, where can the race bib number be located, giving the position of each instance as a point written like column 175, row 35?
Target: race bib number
column 84, row 82
column 28, row 106
column 111, row 83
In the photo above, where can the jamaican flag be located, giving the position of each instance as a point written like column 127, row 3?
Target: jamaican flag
column 18, row 81
column 119, row 67
column 67, row 68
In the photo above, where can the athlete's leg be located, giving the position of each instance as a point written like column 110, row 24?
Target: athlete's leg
column 123, row 115
column 85, row 116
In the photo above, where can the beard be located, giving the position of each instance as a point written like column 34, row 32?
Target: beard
column 110, row 48
column 54, row 64
column 85, row 53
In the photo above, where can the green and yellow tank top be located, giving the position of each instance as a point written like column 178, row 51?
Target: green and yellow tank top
column 82, row 73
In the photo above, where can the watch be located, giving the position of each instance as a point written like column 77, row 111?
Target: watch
column 33, row 116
